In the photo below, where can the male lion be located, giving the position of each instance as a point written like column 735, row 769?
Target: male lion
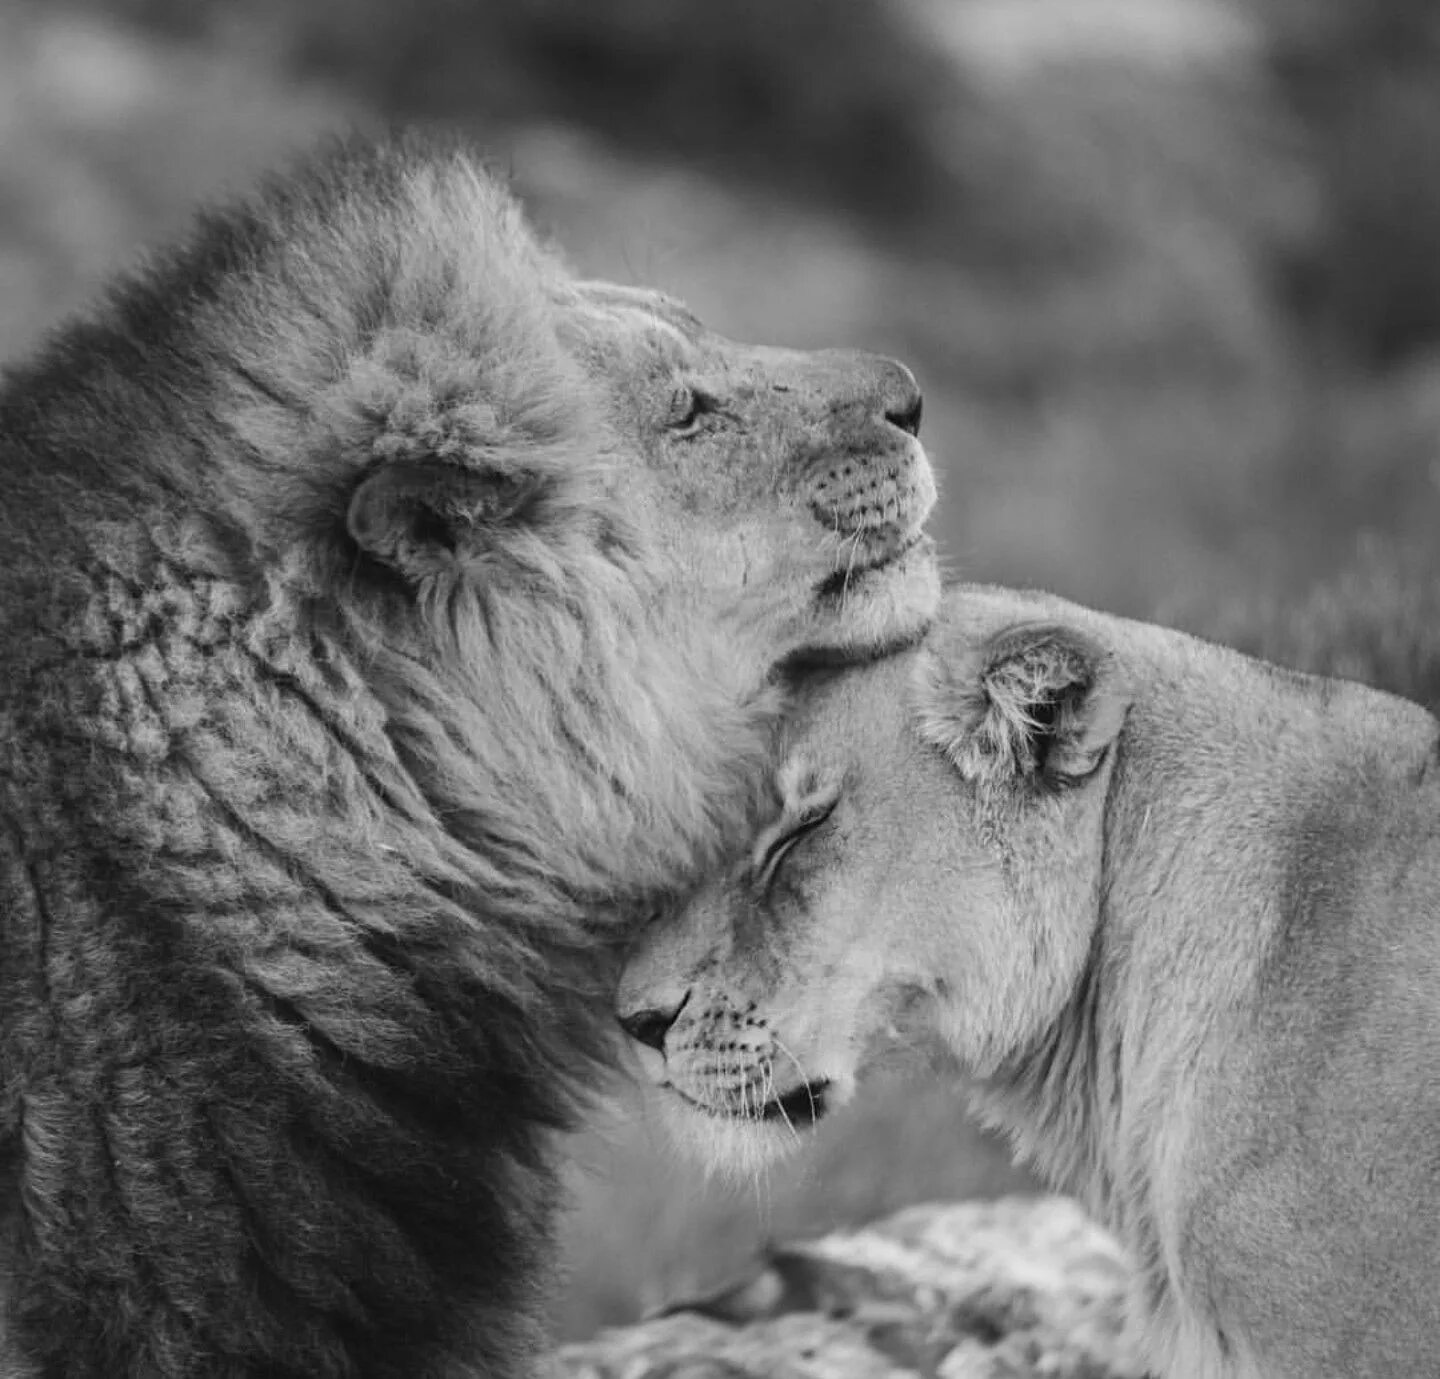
column 385, row 615
column 1176, row 911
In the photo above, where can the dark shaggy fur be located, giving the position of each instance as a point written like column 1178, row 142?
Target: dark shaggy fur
column 342, row 708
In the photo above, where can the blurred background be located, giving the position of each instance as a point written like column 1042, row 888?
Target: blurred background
column 1169, row 271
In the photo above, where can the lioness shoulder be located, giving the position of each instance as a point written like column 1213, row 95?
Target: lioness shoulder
column 1178, row 913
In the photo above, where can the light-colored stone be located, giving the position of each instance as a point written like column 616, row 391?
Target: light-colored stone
column 1017, row 1288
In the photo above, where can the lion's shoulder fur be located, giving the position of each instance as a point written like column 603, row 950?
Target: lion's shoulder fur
column 302, row 897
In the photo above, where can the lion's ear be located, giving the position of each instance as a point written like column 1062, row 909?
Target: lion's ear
column 1036, row 701
column 420, row 515
column 465, row 454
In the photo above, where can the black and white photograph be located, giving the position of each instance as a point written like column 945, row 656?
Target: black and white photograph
column 719, row 689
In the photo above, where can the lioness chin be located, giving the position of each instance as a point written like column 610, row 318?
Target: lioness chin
column 1173, row 908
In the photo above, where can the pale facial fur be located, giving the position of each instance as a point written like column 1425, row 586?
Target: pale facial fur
column 1171, row 908
column 798, row 473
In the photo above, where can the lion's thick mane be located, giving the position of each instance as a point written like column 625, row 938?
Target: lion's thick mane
column 277, row 820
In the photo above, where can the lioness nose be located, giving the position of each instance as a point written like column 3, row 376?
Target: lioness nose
column 651, row 1025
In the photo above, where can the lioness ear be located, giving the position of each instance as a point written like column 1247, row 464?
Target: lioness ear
column 1037, row 701
column 419, row 515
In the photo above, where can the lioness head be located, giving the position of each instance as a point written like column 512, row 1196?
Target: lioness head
column 935, row 851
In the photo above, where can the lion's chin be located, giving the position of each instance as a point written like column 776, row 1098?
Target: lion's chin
column 861, row 614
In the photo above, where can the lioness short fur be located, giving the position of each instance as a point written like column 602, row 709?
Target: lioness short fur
column 1177, row 912
column 384, row 616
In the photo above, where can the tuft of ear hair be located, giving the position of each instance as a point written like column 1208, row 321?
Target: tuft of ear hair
column 1034, row 702
column 417, row 515
column 459, row 448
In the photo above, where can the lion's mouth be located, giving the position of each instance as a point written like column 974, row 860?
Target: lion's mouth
column 865, row 566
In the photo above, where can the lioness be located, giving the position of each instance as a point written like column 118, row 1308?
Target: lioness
column 1175, row 909
column 385, row 615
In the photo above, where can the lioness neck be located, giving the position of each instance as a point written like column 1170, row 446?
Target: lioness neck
column 1234, row 782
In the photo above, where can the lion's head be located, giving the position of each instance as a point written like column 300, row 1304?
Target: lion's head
column 591, row 501
column 461, row 399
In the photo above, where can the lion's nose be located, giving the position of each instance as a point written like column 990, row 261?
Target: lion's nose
column 900, row 398
column 650, row 1025
column 907, row 416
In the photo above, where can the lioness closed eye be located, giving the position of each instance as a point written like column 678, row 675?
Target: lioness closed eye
column 1175, row 909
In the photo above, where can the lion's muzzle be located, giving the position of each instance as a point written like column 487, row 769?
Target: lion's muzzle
column 870, row 481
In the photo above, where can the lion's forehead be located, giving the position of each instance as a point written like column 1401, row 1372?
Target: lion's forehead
column 633, row 342
column 639, row 310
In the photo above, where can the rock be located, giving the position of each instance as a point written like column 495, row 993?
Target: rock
column 1016, row 1288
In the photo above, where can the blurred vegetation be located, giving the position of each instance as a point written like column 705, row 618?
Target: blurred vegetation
column 1167, row 269
column 813, row 95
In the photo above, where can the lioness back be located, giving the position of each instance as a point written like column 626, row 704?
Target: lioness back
column 1177, row 912
column 386, row 616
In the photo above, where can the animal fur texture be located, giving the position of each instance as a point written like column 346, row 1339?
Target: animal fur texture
column 386, row 618
column 1174, row 912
